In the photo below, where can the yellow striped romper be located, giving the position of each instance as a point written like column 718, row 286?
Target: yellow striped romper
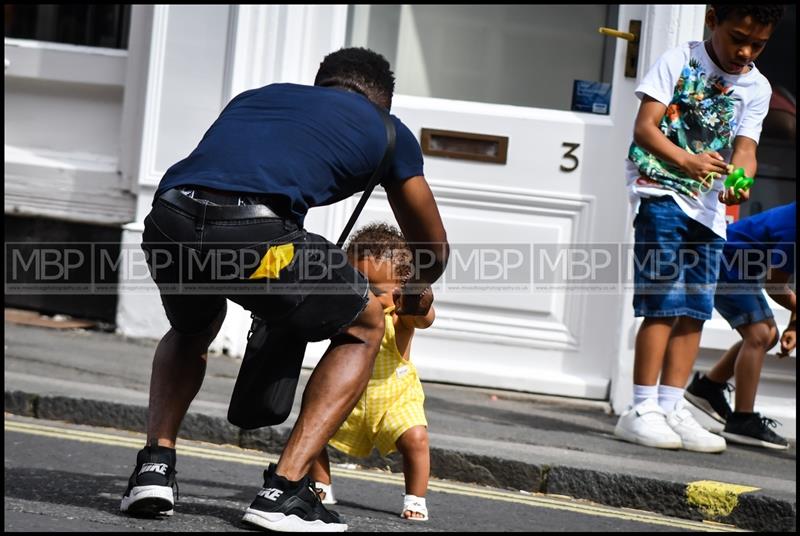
column 391, row 404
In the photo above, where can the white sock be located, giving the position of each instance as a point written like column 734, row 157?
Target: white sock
column 643, row 392
column 668, row 396
column 328, row 490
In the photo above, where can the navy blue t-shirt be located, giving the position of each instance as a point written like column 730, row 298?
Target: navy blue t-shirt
column 767, row 239
column 300, row 146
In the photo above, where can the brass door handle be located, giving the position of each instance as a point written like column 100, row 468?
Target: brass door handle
column 632, row 49
column 628, row 36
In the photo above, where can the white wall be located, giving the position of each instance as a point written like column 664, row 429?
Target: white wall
column 197, row 58
column 63, row 120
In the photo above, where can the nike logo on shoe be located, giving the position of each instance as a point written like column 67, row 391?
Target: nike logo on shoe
column 271, row 494
column 160, row 468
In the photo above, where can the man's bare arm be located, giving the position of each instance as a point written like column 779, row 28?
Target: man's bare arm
column 418, row 216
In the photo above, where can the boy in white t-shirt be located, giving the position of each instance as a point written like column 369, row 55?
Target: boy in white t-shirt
column 702, row 108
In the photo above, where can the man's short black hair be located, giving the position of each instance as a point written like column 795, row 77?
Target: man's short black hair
column 762, row 13
column 361, row 70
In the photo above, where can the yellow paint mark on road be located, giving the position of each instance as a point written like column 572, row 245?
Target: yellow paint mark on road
column 233, row 454
column 715, row 499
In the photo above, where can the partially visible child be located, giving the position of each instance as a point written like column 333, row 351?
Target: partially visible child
column 389, row 415
column 760, row 249
column 703, row 104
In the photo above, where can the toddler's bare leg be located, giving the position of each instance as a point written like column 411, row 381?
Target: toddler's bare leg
column 320, row 472
column 321, row 468
column 414, row 447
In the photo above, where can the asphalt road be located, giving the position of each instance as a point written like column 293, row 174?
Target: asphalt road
column 63, row 477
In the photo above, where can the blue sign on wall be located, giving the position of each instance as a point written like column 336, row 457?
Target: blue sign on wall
column 593, row 97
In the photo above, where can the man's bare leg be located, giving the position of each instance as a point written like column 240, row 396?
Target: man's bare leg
column 179, row 366
column 333, row 390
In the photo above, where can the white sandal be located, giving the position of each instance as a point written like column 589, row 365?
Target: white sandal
column 415, row 505
column 327, row 489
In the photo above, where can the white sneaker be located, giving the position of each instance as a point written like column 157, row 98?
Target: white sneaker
column 693, row 436
column 646, row 424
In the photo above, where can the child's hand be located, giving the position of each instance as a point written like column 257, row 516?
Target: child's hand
column 730, row 197
column 700, row 166
column 412, row 303
column 788, row 341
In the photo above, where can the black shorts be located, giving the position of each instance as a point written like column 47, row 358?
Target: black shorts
column 201, row 252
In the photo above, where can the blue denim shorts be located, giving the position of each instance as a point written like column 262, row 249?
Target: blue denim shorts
column 740, row 303
column 676, row 262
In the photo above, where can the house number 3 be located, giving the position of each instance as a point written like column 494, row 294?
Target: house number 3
column 571, row 147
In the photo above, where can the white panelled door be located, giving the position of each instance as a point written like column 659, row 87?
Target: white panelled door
column 519, row 306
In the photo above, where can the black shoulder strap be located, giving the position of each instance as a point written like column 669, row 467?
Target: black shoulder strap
column 380, row 171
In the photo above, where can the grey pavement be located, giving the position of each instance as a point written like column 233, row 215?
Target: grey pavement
column 497, row 438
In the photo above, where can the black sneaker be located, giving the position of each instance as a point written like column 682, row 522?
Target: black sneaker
column 287, row 506
column 149, row 490
column 753, row 429
column 709, row 396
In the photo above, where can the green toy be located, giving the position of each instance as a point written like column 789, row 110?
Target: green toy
column 737, row 180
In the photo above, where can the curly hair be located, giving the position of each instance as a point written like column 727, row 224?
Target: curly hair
column 381, row 241
column 762, row 13
column 361, row 70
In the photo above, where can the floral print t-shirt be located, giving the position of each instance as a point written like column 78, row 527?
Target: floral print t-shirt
column 706, row 109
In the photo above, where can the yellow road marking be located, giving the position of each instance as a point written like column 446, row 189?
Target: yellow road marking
column 372, row 476
column 715, row 499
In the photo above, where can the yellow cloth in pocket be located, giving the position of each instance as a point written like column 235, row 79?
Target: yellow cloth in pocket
column 276, row 259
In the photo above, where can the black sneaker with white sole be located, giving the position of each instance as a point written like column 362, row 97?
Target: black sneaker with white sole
column 287, row 506
column 149, row 490
column 753, row 429
column 709, row 396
